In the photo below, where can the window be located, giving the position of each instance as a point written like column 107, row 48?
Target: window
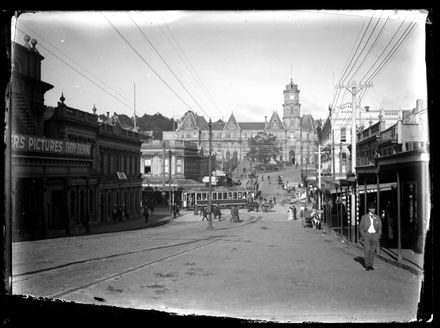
column 179, row 166
column 147, row 166
column 228, row 135
column 343, row 135
column 166, row 165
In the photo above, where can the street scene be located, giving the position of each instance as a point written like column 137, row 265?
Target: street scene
column 263, row 267
column 217, row 164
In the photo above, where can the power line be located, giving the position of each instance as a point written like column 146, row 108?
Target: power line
column 390, row 54
column 342, row 79
column 372, row 45
column 145, row 62
column 192, row 70
column 363, row 48
column 166, row 63
column 338, row 90
column 389, row 42
column 75, row 62
column 76, row 70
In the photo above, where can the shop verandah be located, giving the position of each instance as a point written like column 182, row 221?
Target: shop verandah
column 399, row 186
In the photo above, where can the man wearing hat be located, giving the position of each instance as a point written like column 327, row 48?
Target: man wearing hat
column 370, row 229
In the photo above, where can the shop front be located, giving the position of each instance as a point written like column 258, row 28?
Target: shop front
column 399, row 186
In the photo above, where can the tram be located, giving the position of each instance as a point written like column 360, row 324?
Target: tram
column 225, row 196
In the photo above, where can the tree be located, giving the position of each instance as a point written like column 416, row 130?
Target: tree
column 262, row 148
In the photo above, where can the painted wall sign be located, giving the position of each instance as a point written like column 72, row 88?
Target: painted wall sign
column 47, row 145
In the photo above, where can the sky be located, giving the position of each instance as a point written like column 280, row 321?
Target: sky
column 220, row 62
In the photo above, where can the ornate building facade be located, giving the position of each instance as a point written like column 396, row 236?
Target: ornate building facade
column 67, row 170
column 297, row 136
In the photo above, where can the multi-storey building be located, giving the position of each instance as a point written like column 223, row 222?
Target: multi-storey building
column 296, row 135
column 188, row 164
column 335, row 138
column 393, row 172
column 67, row 169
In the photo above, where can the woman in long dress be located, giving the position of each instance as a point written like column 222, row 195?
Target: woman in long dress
column 290, row 218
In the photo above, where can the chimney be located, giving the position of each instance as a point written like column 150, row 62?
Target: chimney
column 108, row 114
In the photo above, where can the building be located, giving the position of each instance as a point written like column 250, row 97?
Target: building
column 335, row 136
column 188, row 164
column 65, row 165
column 296, row 135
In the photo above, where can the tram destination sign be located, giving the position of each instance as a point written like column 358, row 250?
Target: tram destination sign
column 28, row 143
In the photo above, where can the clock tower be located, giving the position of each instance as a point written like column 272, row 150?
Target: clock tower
column 291, row 107
column 291, row 118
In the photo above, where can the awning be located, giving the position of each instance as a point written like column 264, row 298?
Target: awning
column 373, row 187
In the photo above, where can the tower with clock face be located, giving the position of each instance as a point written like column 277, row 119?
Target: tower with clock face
column 291, row 119
column 291, row 107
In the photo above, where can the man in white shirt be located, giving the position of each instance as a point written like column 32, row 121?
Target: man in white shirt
column 370, row 229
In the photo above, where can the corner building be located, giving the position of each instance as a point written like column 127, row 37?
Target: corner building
column 61, row 174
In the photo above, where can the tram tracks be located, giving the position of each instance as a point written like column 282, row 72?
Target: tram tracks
column 75, row 265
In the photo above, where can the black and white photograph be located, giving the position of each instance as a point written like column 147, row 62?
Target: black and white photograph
column 266, row 166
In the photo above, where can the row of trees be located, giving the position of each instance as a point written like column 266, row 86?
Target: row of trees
column 156, row 123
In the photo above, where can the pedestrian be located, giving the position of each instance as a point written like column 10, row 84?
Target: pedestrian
column 370, row 229
column 176, row 209
column 152, row 207
column 204, row 214
column 145, row 213
column 115, row 214
column 274, row 200
column 237, row 214
column 218, row 212
column 290, row 217
column 294, row 212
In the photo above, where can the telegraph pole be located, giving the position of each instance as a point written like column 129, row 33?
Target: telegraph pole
column 333, row 155
column 210, row 186
column 319, row 176
column 163, row 168
column 170, row 196
column 354, row 90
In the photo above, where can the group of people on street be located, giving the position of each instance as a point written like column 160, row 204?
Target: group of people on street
column 217, row 214
column 119, row 213
column 292, row 213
